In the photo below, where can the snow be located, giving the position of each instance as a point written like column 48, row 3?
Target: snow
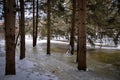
column 38, row 66
column 64, row 41
column 25, row 71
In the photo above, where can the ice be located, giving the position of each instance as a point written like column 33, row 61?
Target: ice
column 59, row 66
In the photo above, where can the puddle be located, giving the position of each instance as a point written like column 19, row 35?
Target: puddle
column 105, row 62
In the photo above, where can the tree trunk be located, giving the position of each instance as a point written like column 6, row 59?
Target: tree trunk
column 82, row 36
column 22, row 30
column 17, row 34
column 9, row 11
column 34, row 43
column 48, row 26
column 77, row 25
column 73, row 26
column 36, row 31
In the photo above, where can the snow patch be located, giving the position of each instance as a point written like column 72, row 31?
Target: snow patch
column 25, row 71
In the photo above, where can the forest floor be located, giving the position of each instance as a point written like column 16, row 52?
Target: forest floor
column 102, row 64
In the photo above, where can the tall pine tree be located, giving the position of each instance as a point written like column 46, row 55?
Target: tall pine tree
column 9, row 11
column 22, row 30
column 82, row 35
column 48, row 26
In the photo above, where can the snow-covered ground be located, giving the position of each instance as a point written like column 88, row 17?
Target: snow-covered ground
column 24, row 68
column 25, row 71
column 38, row 66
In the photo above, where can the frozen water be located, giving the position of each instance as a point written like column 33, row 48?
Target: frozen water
column 38, row 66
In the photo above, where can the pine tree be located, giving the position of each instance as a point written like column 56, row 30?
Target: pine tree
column 82, row 35
column 48, row 26
column 34, row 29
column 9, row 11
column 72, row 37
column 22, row 30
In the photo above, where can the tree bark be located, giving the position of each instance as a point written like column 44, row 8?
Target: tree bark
column 82, row 36
column 48, row 26
column 73, row 26
column 9, row 11
column 22, row 30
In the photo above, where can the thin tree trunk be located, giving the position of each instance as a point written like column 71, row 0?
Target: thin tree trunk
column 36, row 31
column 34, row 43
column 82, row 36
column 48, row 26
column 9, row 11
column 77, row 25
column 16, row 41
column 73, row 26
column 22, row 30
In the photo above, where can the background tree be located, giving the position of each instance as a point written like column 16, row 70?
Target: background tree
column 36, row 31
column 22, row 30
column 107, row 20
column 72, row 37
column 48, row 25
column 34, row 27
